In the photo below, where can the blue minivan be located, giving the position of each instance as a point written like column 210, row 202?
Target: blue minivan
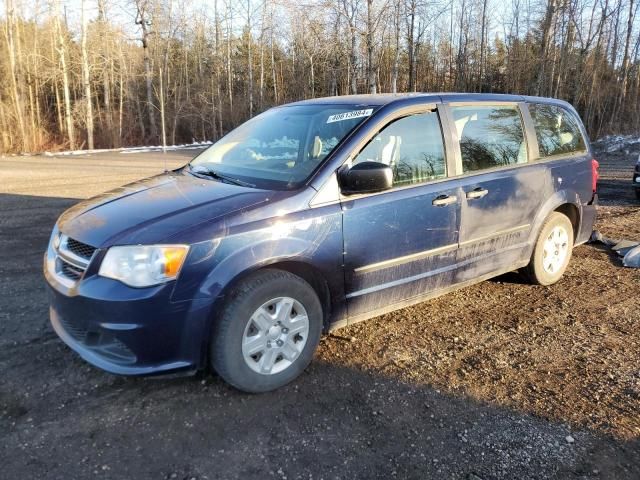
column 313, row 216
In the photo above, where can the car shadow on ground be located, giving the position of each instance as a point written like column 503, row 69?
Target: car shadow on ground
column 333, row 422
column 61, row 418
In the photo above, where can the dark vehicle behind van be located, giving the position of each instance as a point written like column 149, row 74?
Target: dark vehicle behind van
column 313, row 216
column 636, row 178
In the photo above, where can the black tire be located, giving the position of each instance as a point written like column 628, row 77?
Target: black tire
column 226, row 353
column 638, row 193
column 535, row 271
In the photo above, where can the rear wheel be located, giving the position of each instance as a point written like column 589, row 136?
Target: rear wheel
column 268, row 331
column 638, row 193
column 552, row 251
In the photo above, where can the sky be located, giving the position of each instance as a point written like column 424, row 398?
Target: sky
column 122, row 12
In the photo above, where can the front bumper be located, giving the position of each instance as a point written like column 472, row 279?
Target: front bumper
column 128, row 331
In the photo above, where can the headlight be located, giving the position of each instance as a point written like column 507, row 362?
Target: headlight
column 143, row 265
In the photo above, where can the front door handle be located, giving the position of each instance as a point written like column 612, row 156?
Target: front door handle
column 477, row 193
column 444, row 200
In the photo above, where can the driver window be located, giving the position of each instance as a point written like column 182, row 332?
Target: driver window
column 412, row 146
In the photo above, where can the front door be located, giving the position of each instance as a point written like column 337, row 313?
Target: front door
column 401, row 243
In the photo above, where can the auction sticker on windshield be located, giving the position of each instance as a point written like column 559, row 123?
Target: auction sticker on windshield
column 349, row 115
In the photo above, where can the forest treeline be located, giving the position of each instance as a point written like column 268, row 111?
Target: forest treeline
column 109, row 73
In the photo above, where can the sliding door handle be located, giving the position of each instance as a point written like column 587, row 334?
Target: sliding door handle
column 444, row 200
column 477, row 193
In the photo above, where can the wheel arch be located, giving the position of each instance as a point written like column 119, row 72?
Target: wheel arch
column 563, row 201
column 305, row 270
column 573, row 214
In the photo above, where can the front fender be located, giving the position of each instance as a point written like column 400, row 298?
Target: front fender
column 253, row 257
column 311, row 237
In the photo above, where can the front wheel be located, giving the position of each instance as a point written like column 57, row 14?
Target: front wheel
column 268, row 331
column 552, row 250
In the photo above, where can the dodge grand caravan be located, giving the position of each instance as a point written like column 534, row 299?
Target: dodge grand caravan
column 316, row 215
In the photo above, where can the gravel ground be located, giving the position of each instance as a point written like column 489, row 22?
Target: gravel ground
column 500, row 380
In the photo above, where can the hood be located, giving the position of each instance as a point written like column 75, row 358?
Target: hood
column 150, row 210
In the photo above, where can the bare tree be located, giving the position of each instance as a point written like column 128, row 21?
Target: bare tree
column 11, row 47
column 86, row 80
column 61, row 48
column 142, row 19
column 202, row 71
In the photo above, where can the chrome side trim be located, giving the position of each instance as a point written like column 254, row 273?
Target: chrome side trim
column 392, row 262
column 499, row 233
column 420, row 276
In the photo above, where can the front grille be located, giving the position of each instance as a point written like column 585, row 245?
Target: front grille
column 70, row 271
column 72, row 259
column 75, row 331
column 80, row 249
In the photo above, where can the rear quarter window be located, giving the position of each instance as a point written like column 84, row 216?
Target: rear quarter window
column 557, row 130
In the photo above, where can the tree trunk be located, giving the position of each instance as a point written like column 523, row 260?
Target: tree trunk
column 396, row 52
column 61, row 49
column 144, row 23
column 261, row 92
column 460, row 58
column 249, row 59
column 371, row 71
column 274, row 74
column 162, row 118
column 229, row 71
column 411, row 45
column 547, row 24
column 86, row 80
column 17, row 101
column 483, row 44
column 353, row 63
column 625, row 58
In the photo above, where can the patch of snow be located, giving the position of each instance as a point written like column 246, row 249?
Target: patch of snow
column 617, row 143
column 154, row 148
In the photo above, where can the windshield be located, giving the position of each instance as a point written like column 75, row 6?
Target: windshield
column 280, row 148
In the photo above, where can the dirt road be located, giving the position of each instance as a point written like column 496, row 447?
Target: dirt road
column 500, row 380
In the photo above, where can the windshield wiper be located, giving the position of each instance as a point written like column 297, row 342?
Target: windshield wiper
column 219, row 176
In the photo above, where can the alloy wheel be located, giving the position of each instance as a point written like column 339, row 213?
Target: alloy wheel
column 555, row 250
column 275, row 335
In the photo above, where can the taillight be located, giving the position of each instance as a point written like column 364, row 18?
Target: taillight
column 594, row 174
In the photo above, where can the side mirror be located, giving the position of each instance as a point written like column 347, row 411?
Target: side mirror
column 365, row 177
